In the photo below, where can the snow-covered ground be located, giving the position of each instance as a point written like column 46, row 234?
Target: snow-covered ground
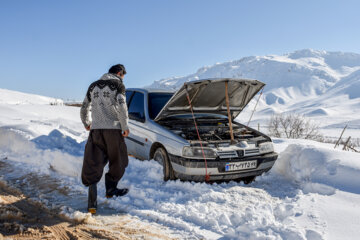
column 312, row 192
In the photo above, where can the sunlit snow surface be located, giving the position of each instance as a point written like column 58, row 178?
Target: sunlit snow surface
column 294, row 201
column 312, row 192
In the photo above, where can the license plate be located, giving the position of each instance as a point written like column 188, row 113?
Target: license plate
column 240, row 165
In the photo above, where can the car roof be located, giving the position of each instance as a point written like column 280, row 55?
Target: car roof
column 151, row 90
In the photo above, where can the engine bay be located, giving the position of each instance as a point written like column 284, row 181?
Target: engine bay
column 212, row 131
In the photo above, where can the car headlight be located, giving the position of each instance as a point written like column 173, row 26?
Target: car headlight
column 196, row 152
column 266, row 147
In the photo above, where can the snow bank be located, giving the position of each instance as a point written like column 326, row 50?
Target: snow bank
column 36, row 120
column 320, row 170
column 58, row 141
column 16, row 147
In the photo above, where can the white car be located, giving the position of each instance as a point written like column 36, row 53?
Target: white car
column 189, row 131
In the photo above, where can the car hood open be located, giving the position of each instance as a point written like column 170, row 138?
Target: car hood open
column 208, row 96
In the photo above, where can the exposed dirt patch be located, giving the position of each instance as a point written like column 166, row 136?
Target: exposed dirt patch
column 23, row 218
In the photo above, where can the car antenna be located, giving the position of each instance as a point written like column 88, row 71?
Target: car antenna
column 207, row 176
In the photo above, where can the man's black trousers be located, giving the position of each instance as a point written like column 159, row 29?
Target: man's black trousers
column 104, row 145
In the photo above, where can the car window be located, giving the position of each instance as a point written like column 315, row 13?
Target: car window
column 136, row 108
column 156, row 102
column 128, row 96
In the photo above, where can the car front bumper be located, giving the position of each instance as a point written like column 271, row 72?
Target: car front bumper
column 194, row 169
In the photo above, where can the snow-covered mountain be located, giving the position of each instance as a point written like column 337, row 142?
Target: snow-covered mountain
column 319, row 84
column 306, row 72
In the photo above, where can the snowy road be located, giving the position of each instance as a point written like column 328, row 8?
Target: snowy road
column 23, row 218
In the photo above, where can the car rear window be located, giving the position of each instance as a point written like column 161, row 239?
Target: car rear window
column 156, row 102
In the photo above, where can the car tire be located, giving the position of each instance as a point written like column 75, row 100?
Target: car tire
column 162, row 157
column 248, row 180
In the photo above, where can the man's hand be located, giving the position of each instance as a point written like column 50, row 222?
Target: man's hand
column 87, row 128
column 126, row 133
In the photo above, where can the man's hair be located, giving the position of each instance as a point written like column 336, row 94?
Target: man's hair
column 117, row 68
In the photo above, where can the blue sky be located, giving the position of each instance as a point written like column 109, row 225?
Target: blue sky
column 57, row 48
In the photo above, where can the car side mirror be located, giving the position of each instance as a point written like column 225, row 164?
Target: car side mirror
column 136, row 116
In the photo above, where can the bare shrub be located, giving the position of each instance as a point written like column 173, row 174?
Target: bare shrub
column 354, row 143
column 293, row 126
column 56, row 103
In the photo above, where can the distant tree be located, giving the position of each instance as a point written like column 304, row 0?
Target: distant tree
column 293, row 126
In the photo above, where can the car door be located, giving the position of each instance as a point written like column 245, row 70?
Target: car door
column 136, row 140
column 129, row 144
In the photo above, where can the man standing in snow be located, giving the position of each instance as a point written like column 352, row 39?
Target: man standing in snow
column 109, row 125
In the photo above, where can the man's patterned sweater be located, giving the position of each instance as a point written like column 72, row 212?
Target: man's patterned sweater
column 106, row 100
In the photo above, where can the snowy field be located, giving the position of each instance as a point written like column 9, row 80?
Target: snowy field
column 312, row 192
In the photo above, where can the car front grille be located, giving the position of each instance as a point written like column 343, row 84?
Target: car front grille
column 250, row 152
column 227, row 154
column 238, row 154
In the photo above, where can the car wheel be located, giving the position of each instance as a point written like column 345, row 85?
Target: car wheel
column 162, row 157
column 248, row 180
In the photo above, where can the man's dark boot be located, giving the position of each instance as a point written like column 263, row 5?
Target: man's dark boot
column 92, row 202
column 117, row 192
column 112, row 190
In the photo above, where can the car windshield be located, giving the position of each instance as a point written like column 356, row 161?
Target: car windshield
column 156, row 102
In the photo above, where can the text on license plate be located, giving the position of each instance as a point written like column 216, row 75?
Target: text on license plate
column 240, row 165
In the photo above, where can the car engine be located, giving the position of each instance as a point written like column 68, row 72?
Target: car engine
column 211, row 130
